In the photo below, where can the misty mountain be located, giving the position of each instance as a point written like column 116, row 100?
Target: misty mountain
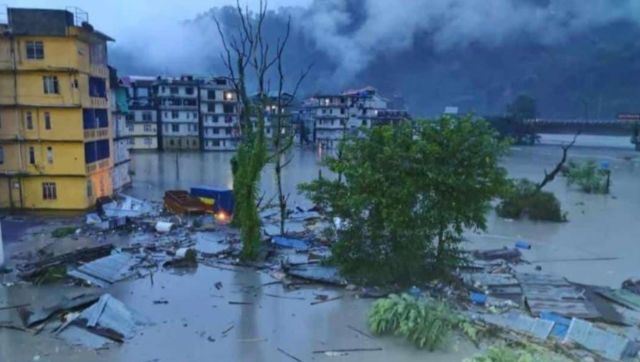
column 577, row 59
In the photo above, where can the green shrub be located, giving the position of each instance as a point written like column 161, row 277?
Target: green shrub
column 63, row 231
column 523, row 199
column 588, row 176
column 427, row 324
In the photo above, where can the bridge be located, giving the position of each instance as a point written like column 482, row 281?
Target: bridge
column 604, row 127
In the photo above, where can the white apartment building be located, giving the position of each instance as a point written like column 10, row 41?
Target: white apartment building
column 219, row 113
column 337, row 115
column 142, row 116
column 177, row 103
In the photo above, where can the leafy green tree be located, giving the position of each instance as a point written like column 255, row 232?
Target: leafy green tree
column 405, row 195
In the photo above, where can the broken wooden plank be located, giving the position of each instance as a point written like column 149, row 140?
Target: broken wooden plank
column 289, row 355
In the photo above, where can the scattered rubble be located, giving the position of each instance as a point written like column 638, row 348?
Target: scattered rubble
column 533, row 307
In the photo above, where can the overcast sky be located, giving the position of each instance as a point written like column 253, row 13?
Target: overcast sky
column 117, row 18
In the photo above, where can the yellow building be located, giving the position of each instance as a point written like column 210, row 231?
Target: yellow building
column 55, row 139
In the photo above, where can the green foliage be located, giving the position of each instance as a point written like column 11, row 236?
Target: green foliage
column 588, row 176
column 426, row 324
column 403, row 189
column 523, row 199
column 522, row 108
column 503, row 353
column 247, row 164
column 63, row 231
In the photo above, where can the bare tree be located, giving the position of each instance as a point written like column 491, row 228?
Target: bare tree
column 283, row 137
column 247, row 52
column 548, row 177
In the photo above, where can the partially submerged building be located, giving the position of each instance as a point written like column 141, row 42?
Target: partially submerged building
column 121, row 131
column 142, row 116
column 219, row 114
column 55, row 134
column 335, row 116
column 178, row 113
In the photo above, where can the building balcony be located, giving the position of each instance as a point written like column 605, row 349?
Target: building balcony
column 97, row 133
column 97, row 166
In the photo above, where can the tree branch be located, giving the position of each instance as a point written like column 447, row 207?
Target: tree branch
column 548, row 177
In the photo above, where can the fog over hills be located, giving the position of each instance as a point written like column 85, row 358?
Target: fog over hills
column 577, row 58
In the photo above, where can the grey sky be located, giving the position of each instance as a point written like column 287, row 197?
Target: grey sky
column 119, row 18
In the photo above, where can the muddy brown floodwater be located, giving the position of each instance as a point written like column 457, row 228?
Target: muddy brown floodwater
column 190, row 327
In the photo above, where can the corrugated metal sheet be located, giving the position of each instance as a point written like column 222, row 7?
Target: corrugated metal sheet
column 504, row 286
column 107, row 270
column 545, row 292
column 535, row 327
column 604, row 343
column 622, row 297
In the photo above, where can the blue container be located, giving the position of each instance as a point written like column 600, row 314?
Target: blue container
column 415, row 292
column 521, row 244
column 220, row 199
column 478, row 298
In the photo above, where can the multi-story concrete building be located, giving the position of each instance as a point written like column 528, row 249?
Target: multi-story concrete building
column 177, row 102
column 55, row 139
column 121, row 132
column 142, row 119
column 337, row 115
column 218, row 112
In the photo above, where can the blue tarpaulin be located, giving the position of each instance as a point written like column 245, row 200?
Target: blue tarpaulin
column 291, row 243
column 221, row 199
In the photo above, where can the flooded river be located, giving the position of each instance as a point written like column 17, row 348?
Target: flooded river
column 190, row 327
column 599, row 225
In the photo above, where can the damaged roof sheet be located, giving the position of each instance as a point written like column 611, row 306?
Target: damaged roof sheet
column 544, row 292
column 107, row 270
column 535, row 327
column 600, row 341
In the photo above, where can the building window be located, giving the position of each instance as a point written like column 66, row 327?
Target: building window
column 1, row 155
column 131, row 141
column 49, row 191
column 147, row 141
column 216, row 143
column 175, row 128
column 32, row 156
column 146, row 116
column 189, row 90
column 174, row 90
column 35, row 50
column 216, row 130
column 211, row 94
column 89, row 188
column 50, row 84
column 364, row 122
column 228, row 108
column 50, row 155
column 147, row 128
column 28, row 120
column 47, row 120
column 97, row 87
column 175, row 114
column 228, row 131
column 193, row 143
